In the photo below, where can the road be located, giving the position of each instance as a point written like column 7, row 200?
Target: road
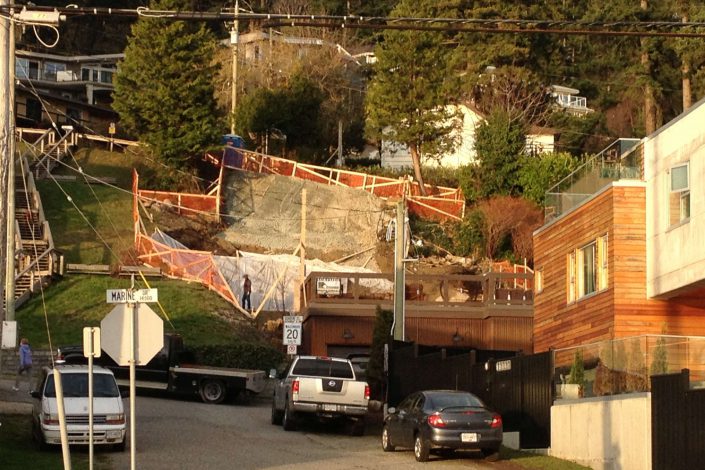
column 176, row 434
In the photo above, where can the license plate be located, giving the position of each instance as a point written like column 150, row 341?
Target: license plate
column 468, row 437
column 329, row 408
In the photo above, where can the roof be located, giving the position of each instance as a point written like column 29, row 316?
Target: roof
column 79, row 369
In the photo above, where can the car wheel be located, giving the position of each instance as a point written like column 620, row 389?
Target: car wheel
column 212, row 391
column 387, row 445
column 121, row 446
column 288, row 420
column 421, row 448
column 276, row 414
column 491, row 455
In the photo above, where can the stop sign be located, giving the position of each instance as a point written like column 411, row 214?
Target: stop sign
column 115, row 334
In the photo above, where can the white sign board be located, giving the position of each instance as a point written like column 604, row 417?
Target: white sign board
column 503, row 366
column 122, row 296
column 291, row 349
column 91, row 342
column 115, row 334
column 292, row 333
column 292, row 319
column 9, row 335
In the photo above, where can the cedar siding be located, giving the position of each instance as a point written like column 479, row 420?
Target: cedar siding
column 622, row 309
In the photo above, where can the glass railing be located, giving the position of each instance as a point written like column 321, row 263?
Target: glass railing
column 620, row 366
column 623, row 159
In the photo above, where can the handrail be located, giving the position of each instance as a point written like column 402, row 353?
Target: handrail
column 47, row 154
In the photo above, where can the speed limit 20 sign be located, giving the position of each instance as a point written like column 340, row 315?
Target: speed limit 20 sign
column 292, row 330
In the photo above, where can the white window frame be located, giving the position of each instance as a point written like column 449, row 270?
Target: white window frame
column 683, row 195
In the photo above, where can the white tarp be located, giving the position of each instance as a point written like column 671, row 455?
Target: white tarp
column 264, row 270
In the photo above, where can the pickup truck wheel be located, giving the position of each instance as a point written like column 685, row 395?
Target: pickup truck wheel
column 387, row 445
column 212, row 391
column 276, row 414
column 120, row 447
column 288, row 420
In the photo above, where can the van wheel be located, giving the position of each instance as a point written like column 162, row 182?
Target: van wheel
column 212, row 391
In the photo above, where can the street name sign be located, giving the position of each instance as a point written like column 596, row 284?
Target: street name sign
column 122, row 296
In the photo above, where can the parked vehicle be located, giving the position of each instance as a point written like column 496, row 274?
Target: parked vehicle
column 442, row 419
column 167, row 372
column 323, row 387
column 108, row 412
column 359, row 362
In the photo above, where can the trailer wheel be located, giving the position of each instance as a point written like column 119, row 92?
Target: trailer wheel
column 212, row 391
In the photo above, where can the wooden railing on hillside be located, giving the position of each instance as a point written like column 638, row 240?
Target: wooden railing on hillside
column 453, row 290
column 440, row 203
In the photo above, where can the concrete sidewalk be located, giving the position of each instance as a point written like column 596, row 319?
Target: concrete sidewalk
column 15, row 402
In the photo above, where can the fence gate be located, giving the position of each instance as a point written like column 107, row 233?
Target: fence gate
column 677, row 417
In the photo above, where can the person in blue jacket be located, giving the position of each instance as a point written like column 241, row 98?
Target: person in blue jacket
column 25, row 362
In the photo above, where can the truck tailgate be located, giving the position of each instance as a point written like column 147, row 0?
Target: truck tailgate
column 332, row 390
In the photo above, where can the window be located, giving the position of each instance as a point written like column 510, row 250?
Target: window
column 51, row 68
column 587, row 269
column 571, row 278
column 587, row 272
column 538, row 280
column 25, row 68
column 679, row 197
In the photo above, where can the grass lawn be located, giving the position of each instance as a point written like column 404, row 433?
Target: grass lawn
column 77, row 301
column 107, row 210
column 543, row 462
column 18, row 450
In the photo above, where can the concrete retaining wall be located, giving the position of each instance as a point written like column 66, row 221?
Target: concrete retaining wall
column 9, row 361
column 606, row 433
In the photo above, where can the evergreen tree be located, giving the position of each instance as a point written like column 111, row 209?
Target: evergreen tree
column 412, row 86
column 164, row 88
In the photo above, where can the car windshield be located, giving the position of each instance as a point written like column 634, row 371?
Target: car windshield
column 76, row 385
column 454, row 400
column 323, row 368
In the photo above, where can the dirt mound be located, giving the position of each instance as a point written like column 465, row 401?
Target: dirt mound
column 263, row 214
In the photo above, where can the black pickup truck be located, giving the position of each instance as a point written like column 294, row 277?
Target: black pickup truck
column 167, row 372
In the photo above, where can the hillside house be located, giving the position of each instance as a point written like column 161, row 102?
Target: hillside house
column 396, row 155
column 622, row 252
column 567, row 98
column 72, row 90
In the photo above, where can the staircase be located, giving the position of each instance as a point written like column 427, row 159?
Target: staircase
column 35, row 258
column 50, row 148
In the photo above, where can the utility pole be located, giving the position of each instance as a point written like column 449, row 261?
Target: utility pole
column 4, row 148
column 399, row 277
column 10, row 213
column 302, row 250
column 234, row 42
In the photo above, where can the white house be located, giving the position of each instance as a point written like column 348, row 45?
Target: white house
column 396, row 155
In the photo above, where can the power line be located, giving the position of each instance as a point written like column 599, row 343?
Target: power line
column 676, row 29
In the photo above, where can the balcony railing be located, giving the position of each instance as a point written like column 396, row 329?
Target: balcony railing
column 626, row 365
column 447, row 291
column 623, row 159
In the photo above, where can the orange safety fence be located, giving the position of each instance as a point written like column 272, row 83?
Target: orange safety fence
column 440, row 203
column 179, row 263
column 184, row 203
column 184, row 264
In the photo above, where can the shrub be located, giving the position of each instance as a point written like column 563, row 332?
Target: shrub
column 237, row 355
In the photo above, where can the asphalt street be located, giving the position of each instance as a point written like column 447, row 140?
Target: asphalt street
column 177, row 434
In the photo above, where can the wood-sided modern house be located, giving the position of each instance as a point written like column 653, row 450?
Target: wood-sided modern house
column 491, row 311
column 73, row 90
column 622, row 252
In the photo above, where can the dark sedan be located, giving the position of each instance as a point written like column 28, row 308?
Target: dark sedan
column 442, row 419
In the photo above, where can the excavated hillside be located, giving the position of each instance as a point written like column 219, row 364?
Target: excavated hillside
column 263, row 214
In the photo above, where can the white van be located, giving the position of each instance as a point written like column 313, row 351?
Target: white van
column 108, row 411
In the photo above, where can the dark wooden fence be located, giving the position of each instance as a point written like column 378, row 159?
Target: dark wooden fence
column 520, row 388
column 677, row 423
